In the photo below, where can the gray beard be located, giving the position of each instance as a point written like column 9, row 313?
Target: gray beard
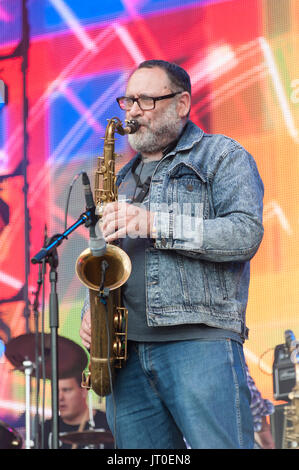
column 163, row 131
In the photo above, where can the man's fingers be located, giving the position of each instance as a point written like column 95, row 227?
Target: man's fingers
column 85, row 330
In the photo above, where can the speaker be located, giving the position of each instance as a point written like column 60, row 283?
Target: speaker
column 284, row 378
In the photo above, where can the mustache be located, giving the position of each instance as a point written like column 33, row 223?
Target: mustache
column 141, row 123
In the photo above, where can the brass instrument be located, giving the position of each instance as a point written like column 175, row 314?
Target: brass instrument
column 291, row 411
column 104, row 275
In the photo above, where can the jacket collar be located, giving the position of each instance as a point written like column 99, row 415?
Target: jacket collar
column 192, row 135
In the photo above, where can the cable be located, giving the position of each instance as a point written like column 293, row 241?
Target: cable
column 68, row 197
column 103, row 295
column 260, row 359
column 110, row 376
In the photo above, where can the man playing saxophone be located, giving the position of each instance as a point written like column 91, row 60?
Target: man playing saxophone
column 190, row 223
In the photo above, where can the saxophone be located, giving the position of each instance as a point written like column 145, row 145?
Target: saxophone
column 104, row 276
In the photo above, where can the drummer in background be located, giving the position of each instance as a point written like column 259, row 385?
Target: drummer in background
column 74, row 415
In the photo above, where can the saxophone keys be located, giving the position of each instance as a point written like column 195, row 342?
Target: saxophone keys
column 118, row 321
column 118, row 348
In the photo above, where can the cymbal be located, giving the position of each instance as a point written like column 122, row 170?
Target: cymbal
column 71, row 356
column 91, row 437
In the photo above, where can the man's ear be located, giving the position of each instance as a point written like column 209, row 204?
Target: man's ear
column 184, row 104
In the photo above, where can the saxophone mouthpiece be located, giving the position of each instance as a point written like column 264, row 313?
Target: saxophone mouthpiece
column 132, row 126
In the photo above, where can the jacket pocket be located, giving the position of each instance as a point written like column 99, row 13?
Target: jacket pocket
column 186, row 185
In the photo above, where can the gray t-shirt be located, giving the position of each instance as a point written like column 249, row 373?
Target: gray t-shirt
column 133, row 291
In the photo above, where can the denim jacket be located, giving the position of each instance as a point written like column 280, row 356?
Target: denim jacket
column 202, row 278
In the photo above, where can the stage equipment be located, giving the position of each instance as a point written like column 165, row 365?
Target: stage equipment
column 87, row 438
column 3, row 93
column 22, row 348
column 277, row 424
column 283, row 373
column 48, row 254
column 291, row 427
column 21, row 352
column 9, row 437
column 104, row 275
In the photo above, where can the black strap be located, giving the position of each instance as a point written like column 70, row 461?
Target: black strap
column 144, row 189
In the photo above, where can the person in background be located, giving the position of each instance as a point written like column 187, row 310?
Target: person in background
column 74, row 415
column 260, row 409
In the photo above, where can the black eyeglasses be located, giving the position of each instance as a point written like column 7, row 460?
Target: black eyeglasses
column 145, row 103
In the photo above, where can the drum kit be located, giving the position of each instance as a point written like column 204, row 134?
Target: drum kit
column 9, row 437
column 21, row 352
column 90, row 438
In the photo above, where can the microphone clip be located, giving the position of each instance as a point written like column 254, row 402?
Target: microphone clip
column 92, row 217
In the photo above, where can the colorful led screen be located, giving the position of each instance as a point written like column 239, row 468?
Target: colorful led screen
column 68, row 60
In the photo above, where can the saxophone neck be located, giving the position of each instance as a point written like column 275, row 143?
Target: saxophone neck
column 115, row 125
column 111, row 128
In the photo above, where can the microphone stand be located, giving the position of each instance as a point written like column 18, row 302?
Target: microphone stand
column 58, row 239
column 36, row 313
column 50, row 255
column 54, row 325
column 28, row 368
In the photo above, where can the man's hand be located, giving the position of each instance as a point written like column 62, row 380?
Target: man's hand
column 264, row 437
column 121, row 219
column 85, row 330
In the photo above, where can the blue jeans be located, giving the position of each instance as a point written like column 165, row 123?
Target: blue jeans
column 193, row 389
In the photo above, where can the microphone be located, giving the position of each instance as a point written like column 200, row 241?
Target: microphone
column 88, row 192
column 97, row 243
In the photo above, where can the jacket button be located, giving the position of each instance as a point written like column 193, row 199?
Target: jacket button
column 190, row 187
